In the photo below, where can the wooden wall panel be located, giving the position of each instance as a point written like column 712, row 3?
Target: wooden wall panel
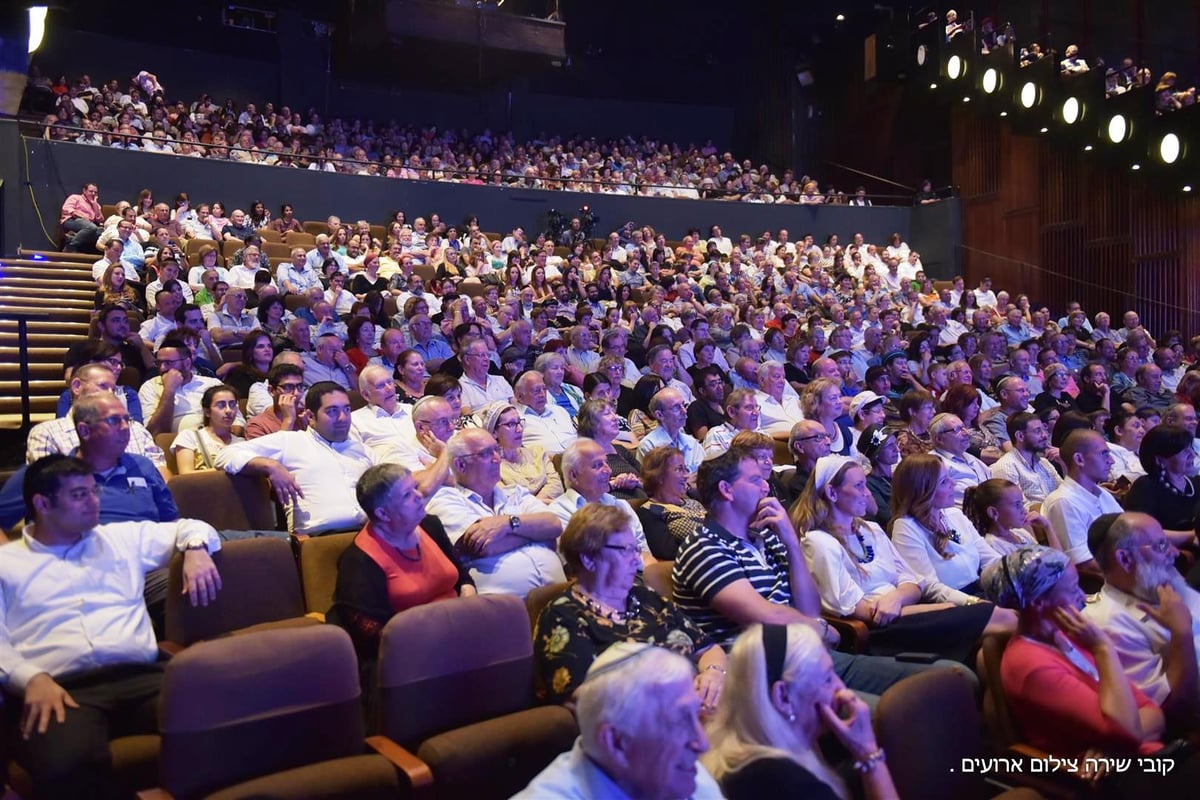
column 1059, row 226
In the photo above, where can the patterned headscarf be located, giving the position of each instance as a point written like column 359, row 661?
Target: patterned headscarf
column 1022, row 576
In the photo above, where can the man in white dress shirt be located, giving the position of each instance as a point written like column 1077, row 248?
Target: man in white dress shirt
column 1075, row 504
column 1148, row 611
column 76, row 644
column 950, row 442
column 506, row 534
column 547, row 425
column 670, row 409
column 778, row 403
column 313, row 473
column 479, row 388
column 171, row 401
column 586, row 473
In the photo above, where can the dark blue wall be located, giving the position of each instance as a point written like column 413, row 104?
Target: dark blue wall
column 57, row 169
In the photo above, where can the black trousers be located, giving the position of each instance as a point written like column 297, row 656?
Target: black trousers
column 72, row 759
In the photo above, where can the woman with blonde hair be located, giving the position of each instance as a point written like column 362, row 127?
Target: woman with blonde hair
column 821, row 400
column 935, row 537
column 859, row 574
column 115, row 291
column 782, row 696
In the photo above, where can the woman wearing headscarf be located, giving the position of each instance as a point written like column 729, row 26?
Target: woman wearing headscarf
column 1064, row 682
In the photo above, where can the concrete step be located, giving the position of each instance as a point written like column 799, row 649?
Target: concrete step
column 54, row 255
column 73, row 268
column 24, row 287
column 40, row 370
column 72, row 327
column 10, row 389
column 11, row 277
column 38, row 355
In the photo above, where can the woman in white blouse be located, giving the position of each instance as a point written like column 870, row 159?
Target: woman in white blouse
column 859, row 574
column 933, row 536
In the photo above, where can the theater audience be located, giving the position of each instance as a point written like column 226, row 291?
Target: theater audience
column 526, row 465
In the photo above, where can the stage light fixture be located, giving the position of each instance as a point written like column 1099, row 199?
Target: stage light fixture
column 1087, row 148
column 1118, row 128
column 1187, row 188
column 1030, row 94
column 1043, row 130
column 991, row 80
column 1072, row 110
column 956, row 67
column 1170, row 148
column 922, row 55
column 966, row 99
column 1136, row 167
column 933, row 86
column 1004, row 113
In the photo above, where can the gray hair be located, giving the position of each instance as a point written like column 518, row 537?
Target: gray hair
column 940, row 422
column 765, row 368
column 364, row 378
column 546, row 359
column 418, row 409
column 374, row 485
column 86, row 409
column 624, row 688
column 573, row 455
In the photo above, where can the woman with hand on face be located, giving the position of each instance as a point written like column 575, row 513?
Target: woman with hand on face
column 997, row 509
column 783, row 697
column 606, row 603
column 669, row 515
column 1065, row 685
column 599, row 422
column 196, row 449
column 859, row 574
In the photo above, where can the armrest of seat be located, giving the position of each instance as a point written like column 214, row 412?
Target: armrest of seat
column 168, row 649
column 154, row 794
column 317, row 615
column 854, row 633
column 418, row 773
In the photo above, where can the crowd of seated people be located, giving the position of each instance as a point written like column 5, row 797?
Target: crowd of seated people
column 135, row 114
column 610, row 427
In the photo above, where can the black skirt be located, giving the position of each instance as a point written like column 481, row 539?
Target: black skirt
column 952, row 633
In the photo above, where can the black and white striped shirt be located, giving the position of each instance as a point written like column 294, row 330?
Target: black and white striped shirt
column 711, row 558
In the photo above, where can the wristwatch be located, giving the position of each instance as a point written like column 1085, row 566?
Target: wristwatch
column 514, row 523
column 196, row 546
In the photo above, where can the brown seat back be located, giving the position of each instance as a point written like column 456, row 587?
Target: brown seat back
column 227, row 502
column 259, row 584
column 658, row 577
column 452, row 663
column 919, row 743
column 269, row 235
column 319, row 568
column 236, row 709
column 164, row 441
column 314, row 227
column 996, row 713
column 540, row 597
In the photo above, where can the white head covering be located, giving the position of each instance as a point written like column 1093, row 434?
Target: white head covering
column 826, row 468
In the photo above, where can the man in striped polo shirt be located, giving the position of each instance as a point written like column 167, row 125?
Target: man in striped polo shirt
column 745, row 565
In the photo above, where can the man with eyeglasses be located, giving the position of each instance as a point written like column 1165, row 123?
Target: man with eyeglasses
column 286, row 388
column 59, row 436
column 1148, row 611
column 807, row 442
column 479, row 387
column 79, row 651
column 420, row 443
column 587, row 474
column 778, row 403
column 950, row 442
column 547, row 425
column 312, row 472
column 171, row 401
column 506, row 535
column 669, row 407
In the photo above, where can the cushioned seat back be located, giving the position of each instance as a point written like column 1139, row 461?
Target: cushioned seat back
column 259, row 584
column 227, row 502
column 995, row 704
column 540, row 597
column 919, row 743
column 164, row 442
column 237, row 709
column 657, row 576
column 319, row 567
column 452, row 663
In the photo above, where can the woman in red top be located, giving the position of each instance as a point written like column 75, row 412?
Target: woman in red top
column 1065, row 684
column 400, row 559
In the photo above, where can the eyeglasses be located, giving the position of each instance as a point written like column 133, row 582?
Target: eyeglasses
column 161, row 362
column 628, row 550
column 514, row 424
column 821, row 435
column 490, row 452
column 292, row 388
column 1161, row 546
column 116, row 420
column 115, row 363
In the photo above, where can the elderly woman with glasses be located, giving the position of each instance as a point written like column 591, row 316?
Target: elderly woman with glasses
column 783, row 697
column 607, row 602
column 599, row 422
column 669, row 515
column 859, row 574
column 1167, row 491
column 1064, row 682
column 528, row 466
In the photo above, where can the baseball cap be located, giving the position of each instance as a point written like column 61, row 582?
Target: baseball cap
column 862, row 400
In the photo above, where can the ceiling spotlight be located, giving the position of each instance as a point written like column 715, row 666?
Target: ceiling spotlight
column 1071, row 110
column 1043, row 130
column 1187, row 188
column 1118, row 128
column 1004, row 113
column 991, row 80
column 1169, row 148
column 933, row 86
column 955, row 67
column 1136, row 167
column 1029, row 94
column 840, row 18
column 966, row 99
column 1087, row 148
column 922, row 55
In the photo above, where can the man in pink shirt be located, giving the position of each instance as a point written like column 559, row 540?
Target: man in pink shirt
column 81, row 215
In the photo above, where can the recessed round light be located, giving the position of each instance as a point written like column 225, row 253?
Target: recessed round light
column 955, row 67
column 991, row 80
column 933, row 86
column 1087, row 148
column 922, row 55
column 1169, row 148
column 1118, row 127
column 966, row 99
column 1136, row 167
column 1004, row 113
column 1029, row 94
column 1187, row 188
column 840, row 18
column 1043, row 130
column 1071, row 110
